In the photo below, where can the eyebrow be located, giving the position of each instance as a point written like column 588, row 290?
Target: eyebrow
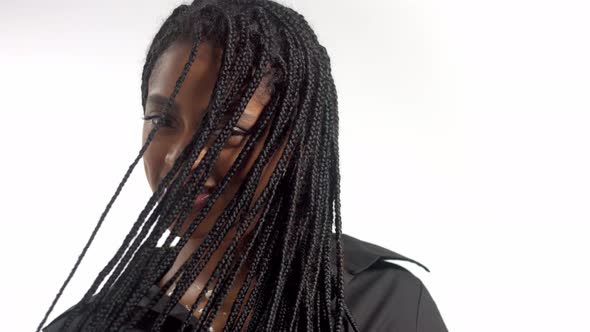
column 161, row 100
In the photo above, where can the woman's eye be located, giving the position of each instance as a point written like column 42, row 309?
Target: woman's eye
column 166, row 122
column 236, row 131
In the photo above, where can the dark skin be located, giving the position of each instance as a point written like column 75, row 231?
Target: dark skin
column 167, row 145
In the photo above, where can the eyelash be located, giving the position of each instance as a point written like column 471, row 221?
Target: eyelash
column 234, row 132
column 160, row 117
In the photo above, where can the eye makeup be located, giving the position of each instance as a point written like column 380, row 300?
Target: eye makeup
column 159, row 117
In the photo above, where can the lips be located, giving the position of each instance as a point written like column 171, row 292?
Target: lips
column 202, row 198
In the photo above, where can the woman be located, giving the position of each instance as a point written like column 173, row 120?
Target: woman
column 240, row 144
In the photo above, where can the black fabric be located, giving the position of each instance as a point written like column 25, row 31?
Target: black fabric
column 383, row 296
column 380, row 295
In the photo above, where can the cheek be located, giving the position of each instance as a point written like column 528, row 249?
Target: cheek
column 267, row 169
column 225, row 161
column 272, row 164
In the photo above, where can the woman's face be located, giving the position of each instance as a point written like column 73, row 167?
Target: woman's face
column 185, row 118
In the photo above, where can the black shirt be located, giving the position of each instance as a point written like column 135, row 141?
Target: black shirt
column 380, row 295
column 383, row 296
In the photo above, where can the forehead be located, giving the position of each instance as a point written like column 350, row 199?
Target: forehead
column 200, row 80
column 170, row 64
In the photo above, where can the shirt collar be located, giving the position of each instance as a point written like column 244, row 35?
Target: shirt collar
column 360, row 255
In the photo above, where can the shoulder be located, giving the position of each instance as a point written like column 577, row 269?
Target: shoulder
column 360, row 255
column 382, row 295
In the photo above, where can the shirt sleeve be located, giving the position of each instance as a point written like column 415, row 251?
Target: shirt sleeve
column 428, row 317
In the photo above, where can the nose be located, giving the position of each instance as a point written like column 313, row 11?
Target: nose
column 176, row 149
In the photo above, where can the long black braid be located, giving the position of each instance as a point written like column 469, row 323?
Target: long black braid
column 292, row 285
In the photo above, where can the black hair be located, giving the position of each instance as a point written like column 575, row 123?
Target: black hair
column 293, row 285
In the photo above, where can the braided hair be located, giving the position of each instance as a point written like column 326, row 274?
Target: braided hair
column 290, row 284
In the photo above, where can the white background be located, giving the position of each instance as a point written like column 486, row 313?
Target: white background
column 464, row 145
